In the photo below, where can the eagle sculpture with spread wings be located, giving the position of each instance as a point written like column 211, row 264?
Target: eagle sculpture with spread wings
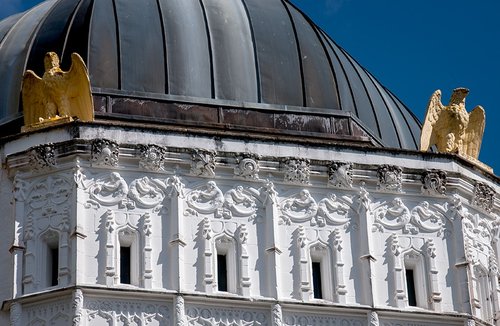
column 58, row 94
column 451, row 128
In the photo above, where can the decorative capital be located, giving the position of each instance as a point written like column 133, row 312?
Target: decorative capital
column 105, row 152
column 340, row 175
column 483, row 196
column 203, row 163
column 247, row 167
column 42, row 157
column 297, row 170
column 434, row 182
column 390, row 178
column 152, row 157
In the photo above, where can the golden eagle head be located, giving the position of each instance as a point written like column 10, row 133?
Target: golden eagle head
column 459, row 95
column 51, row 61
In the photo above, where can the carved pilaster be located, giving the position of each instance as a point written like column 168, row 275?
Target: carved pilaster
column 435, row 295
column 29, row 256
column 245, row 281
column 64, row 251
column 373, row 319
column 208, row 253
column 17, row 248
column 277, row 315
column 180, row 311
column 110, row 230
column 365, row 218
column 16, row 314
column 176, row 193
column 339, row 285
column 147, row 277
column 398, row 270
column 305, row 283
column 269, row 197
column 77, row 307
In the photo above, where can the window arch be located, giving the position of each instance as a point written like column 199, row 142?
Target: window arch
column 49, row 258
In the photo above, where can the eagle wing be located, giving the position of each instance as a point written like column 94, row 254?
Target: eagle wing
column 434, row 109
column 79, row 94
column 34, row 98
column 474, row 132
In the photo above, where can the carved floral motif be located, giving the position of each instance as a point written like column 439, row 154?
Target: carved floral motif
column 127, row 312
column 152, row 157
column 105, row 152
column 340, row 175
column 202, row 316
column 42, row 157
column 390, row 178
column 203, row 163
column 297, row 171
column 247, row 167
column 434, row 182
column 483, row 196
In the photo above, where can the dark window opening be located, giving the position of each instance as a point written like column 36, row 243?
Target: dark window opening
column 410, row 288
column 53, row 266
column 125, row 265
column 316, row 276
column 222, row 273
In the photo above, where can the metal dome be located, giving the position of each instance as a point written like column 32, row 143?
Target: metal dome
column 247, row 52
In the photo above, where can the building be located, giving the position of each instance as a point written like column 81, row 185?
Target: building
column 242, row 169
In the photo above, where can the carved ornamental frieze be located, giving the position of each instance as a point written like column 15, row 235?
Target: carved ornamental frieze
column 390, row 178
column 340, row 175
column 209, row 199
column 397, row 216
column 105, row 153
column 152, row 157
column 297, row 170
column 434, row 182
column 484, row 196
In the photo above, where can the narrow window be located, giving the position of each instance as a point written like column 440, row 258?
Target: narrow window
column 316, row 278
column 125, row 265
column 53, row 265
column 410, row 288
column 222, row 273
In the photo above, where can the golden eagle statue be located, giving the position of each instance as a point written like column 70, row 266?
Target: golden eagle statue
column 58, row 94
column 451, row 128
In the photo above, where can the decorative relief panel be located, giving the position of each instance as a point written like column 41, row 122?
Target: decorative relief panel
column 303, row 207
column 397, row 216
column 118, row 312
column 203, row 163
column 105, row 152
column 209, row 199
column 152, row 157
column 51, row 313
column 434, row 182
column 42, row 157
column 297, row 170
column 247, row 167
column 293, row 319
column 340, row 175
column 483, row 196
column 216, row 316
column 390, row 178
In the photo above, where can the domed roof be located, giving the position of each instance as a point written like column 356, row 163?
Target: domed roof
column 266, row 53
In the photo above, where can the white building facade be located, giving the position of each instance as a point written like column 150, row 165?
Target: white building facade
column 197, row 217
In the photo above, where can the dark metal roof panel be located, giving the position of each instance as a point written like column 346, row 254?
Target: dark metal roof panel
column 232, row 47
column 189, row 70
column 280, row 78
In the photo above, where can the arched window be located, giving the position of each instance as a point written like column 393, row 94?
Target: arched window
column 49, row 272
column 416, row 287
column 128, row 256
column 226, row 271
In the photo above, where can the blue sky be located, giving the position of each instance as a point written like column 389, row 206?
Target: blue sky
column 413, row 48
